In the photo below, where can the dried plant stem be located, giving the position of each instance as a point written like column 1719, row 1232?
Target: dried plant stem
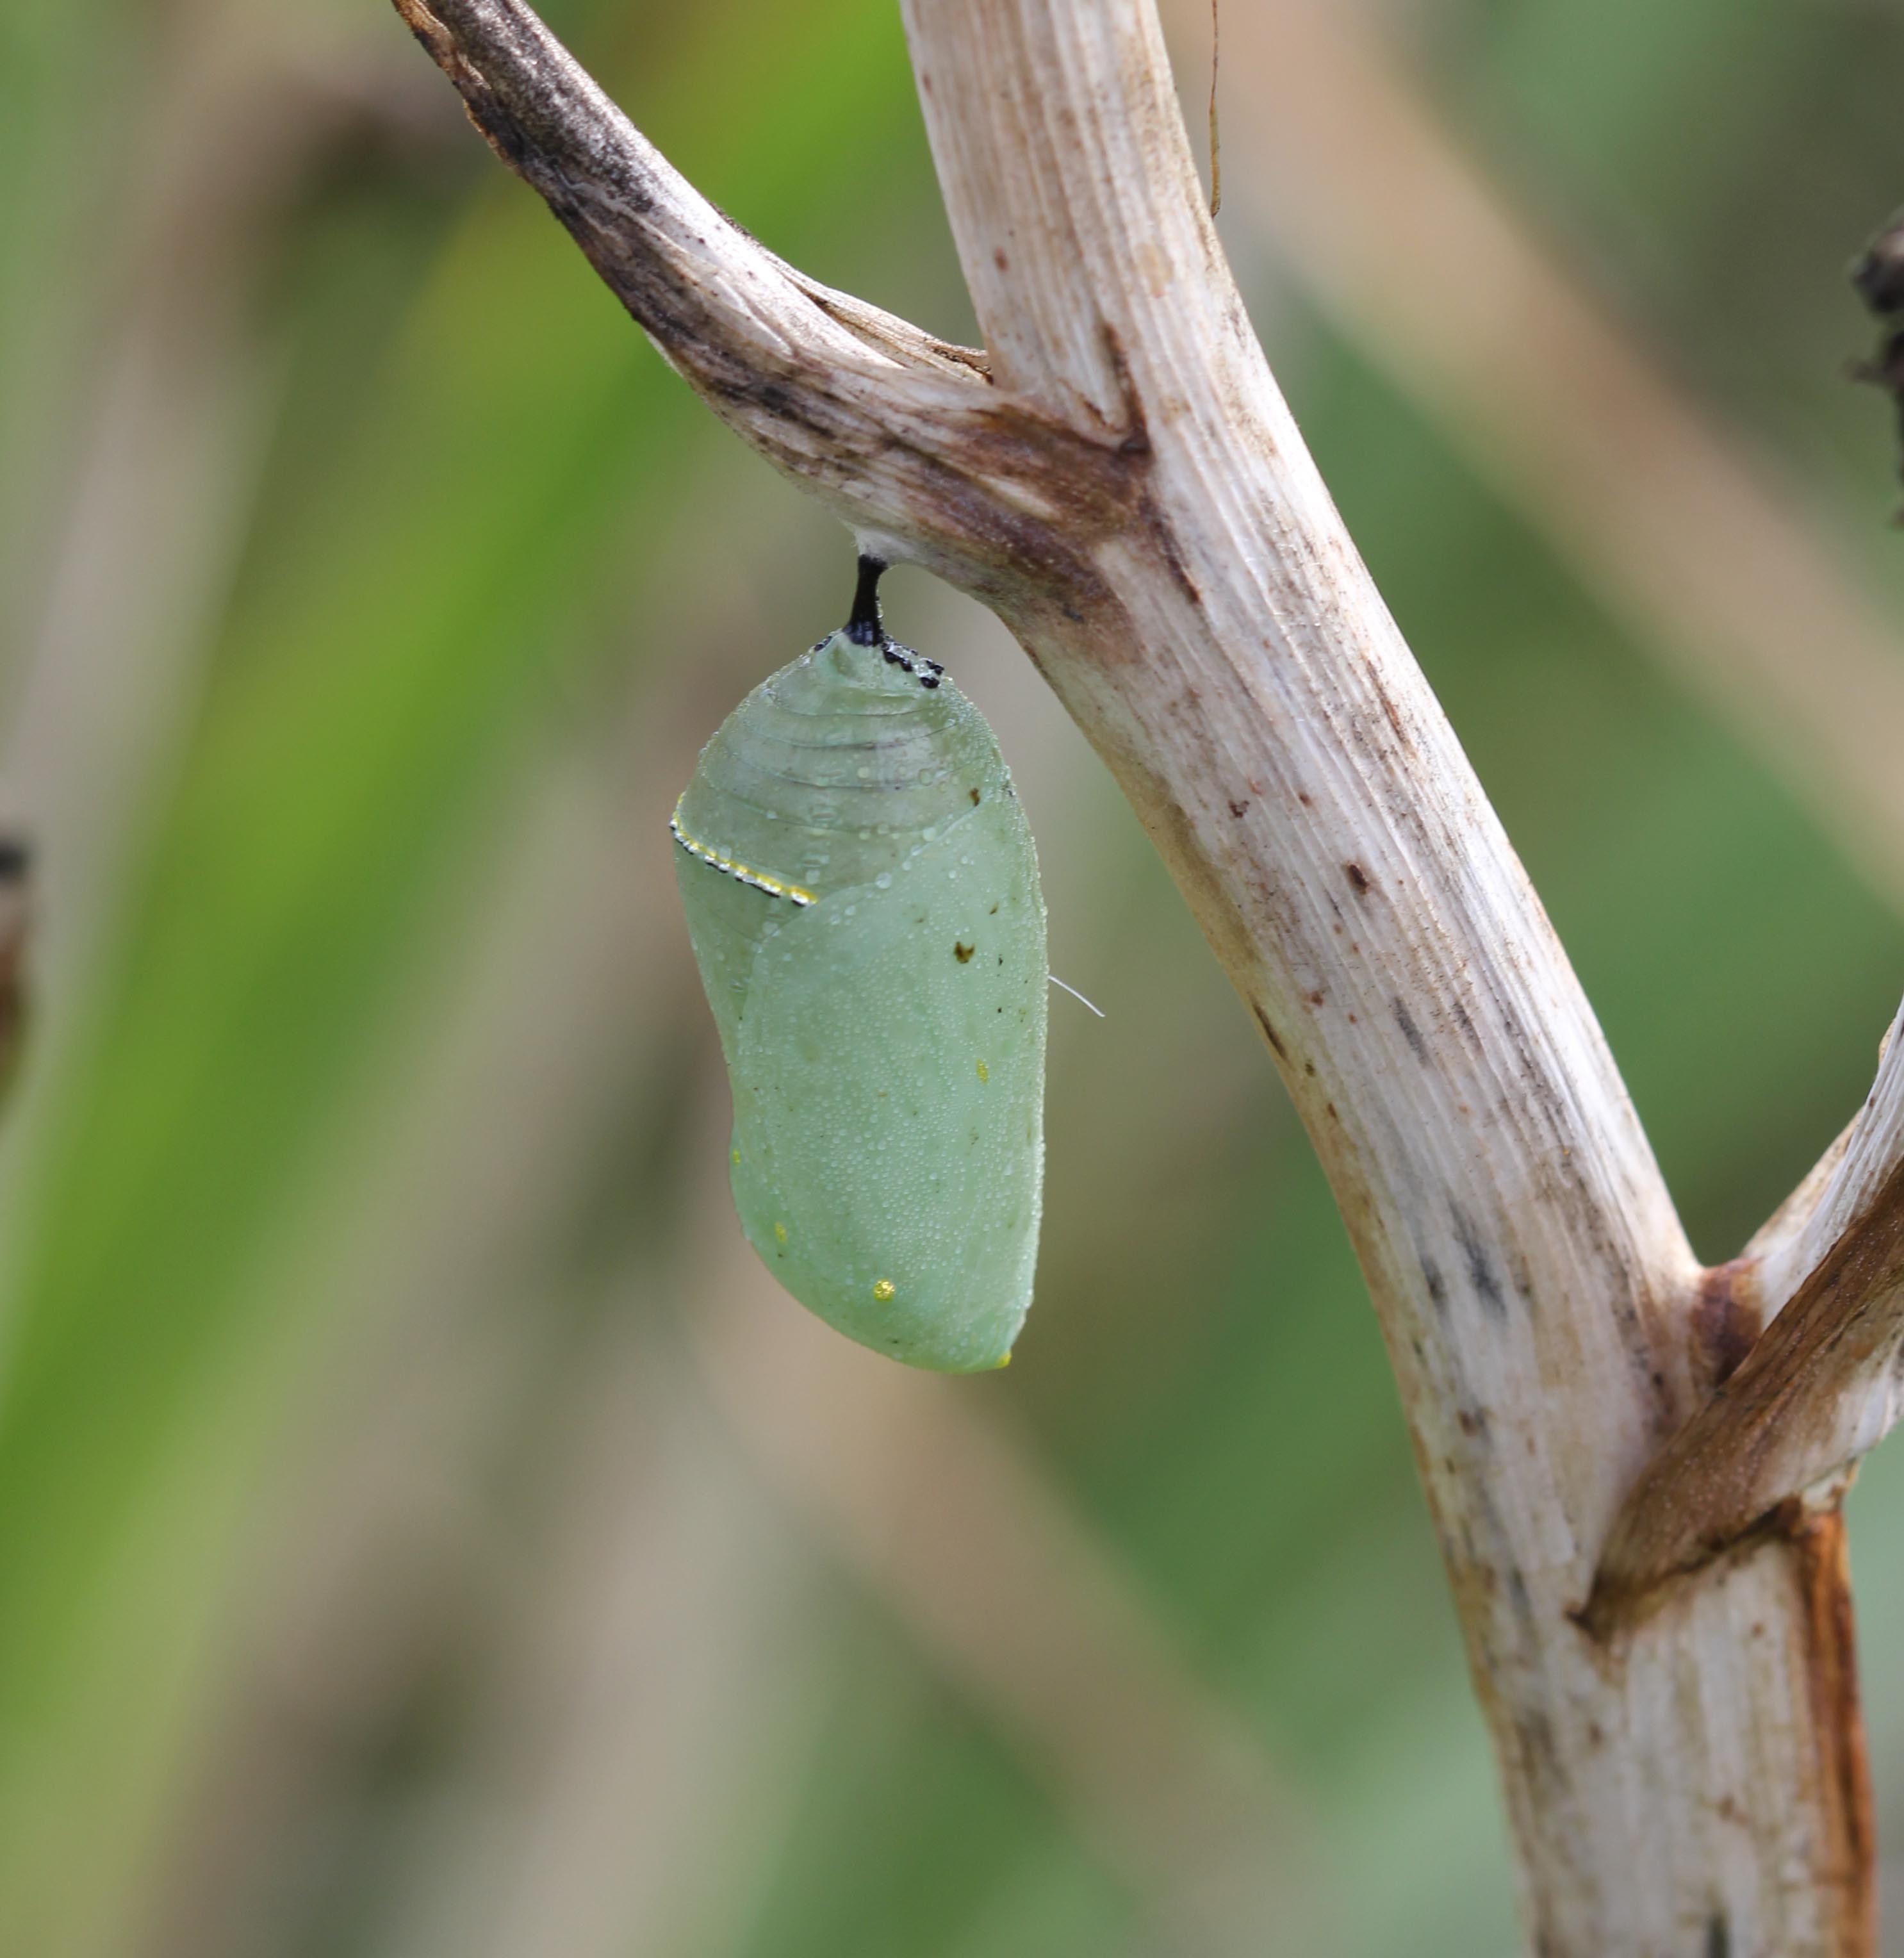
column 1118, row 477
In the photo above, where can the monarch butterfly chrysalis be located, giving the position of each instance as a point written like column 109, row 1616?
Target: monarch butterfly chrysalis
column 863, row 896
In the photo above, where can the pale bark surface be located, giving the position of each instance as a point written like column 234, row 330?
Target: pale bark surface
column 1682, row 528
column 1119, row 478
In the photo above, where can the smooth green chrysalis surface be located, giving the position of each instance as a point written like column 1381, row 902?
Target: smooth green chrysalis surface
column 863, row 894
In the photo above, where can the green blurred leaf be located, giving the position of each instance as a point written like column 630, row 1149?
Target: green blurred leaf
column 377, row 681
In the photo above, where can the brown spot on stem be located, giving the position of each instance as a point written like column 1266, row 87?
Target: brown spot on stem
column 1725, row 1320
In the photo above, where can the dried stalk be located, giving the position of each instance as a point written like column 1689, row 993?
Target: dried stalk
column 1129, row 494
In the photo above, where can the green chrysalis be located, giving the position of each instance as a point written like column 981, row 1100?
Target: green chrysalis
column 861, row 892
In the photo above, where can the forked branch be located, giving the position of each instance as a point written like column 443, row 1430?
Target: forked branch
column 1818, row 1390
column 896, row 430
column 1130, row 494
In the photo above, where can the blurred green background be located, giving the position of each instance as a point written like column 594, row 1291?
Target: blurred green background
column 422, row 1531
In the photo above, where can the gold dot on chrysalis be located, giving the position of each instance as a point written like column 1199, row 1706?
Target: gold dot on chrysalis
column 984, row 1073
column 779, row 1233
column 884, row 1290
column 736, row 1158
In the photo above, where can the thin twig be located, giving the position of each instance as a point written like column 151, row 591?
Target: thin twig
column 1216, row 139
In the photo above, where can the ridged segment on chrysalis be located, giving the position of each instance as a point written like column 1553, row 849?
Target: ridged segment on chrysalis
column 861, row 892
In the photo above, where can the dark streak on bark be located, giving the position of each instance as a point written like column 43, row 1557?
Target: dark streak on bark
column 1269, row 1034
column 1394, row 714
column 1133, row 439
column 1171, row 553
column 1481, row 1274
